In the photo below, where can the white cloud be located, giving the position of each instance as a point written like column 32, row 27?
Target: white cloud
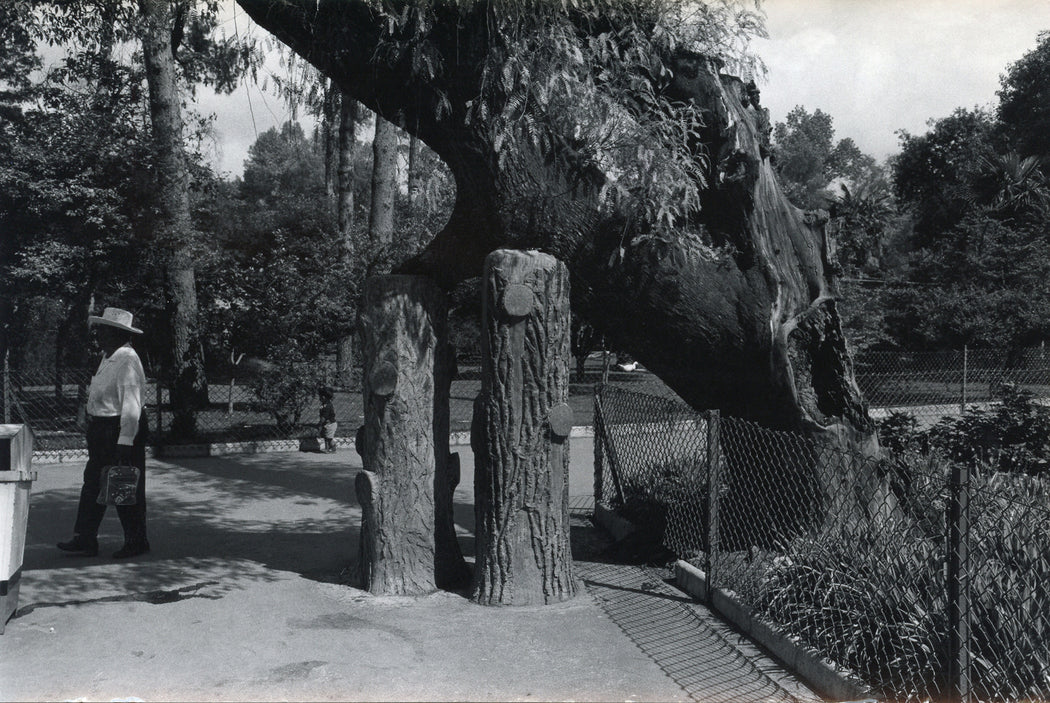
column 877, row 66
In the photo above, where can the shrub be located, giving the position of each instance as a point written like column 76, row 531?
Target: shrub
column 284, row 389
column 898, row 431
column 1014, row 436
column 872, row 597
column 668, row 501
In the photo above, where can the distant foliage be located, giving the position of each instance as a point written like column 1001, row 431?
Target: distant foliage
column 285, row 388
column 1012, row 436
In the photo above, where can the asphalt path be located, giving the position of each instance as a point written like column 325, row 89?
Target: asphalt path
column 247, row 595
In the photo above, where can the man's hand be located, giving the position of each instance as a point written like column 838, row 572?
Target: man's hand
column 125, row 453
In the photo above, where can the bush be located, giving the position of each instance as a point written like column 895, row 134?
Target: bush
column 284, row 389
column 873, row 597
column 898, row 431
column 668, row 502
column 1013, row 436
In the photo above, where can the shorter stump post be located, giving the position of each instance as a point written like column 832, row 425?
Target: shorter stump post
column 408, row 544
column 520, row 434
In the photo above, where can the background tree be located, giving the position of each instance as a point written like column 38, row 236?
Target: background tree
column 808, row 160
column 304, row 86
column 976, row 260
column 384, row 182
column 161, row 27
column 1024, row 101
column 109, row 85
column 935, row 174
column 75, row 148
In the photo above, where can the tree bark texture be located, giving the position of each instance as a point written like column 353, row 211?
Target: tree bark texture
column 330, row 130
column 415, row 175
column 347, row 139
column 384, row 182
column 521, row 432
column 741, row 317
column 172, row 226
column 409, row 544
column 344, row 198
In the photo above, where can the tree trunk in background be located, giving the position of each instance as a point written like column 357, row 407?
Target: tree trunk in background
column 330, row 134
column 408, row 543
column 415, row 175
column 172, row 225
column 345, row 142
column 384, row 182
column 345, row 190
column 521, row 458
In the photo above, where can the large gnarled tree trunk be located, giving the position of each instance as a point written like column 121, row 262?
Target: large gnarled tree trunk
column 743, row 320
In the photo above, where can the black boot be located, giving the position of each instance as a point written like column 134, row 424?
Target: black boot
column 87, row 546
column 132, row 549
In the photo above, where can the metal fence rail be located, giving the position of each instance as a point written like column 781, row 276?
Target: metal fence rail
column 932, row 385
column 925, row 578
column 236, row 411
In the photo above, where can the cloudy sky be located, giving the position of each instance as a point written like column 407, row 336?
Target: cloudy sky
column 876, row 66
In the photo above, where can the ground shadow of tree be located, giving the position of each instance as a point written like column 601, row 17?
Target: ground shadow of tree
column 218, row 524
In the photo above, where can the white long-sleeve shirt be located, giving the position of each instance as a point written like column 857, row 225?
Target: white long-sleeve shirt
column 116, row 391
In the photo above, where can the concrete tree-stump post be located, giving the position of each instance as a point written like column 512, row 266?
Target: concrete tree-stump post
column 520, row 434
column 408, row 541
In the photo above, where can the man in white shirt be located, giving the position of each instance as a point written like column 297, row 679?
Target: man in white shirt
column 116, row 434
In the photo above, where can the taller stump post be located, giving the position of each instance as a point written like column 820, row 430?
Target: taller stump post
column 521, row 433
column 408, row 541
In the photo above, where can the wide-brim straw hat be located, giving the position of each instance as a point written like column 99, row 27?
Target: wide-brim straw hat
column 115, row 317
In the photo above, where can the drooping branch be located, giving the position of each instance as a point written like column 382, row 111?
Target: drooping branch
column 732, row 305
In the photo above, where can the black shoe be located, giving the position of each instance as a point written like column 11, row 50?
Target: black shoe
column 131, row 549
column 88, row 546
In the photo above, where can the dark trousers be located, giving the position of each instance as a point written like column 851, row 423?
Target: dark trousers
column 102, row 435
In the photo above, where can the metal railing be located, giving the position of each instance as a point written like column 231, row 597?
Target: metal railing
column 927, row 579
column 931, row 385
column 236, row 411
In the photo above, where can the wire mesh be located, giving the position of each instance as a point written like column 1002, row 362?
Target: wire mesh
column 931, row 385
column 236, row 411
column 923, row 587
column 656, row 450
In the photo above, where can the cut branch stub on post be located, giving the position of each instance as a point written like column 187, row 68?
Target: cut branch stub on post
column 408, row 543
column 520, row 433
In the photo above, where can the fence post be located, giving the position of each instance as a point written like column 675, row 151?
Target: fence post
column 599, row 453
column 714, row 484
column 958, row 585
column 962, row 403
column 7, row 388
column 157, row 441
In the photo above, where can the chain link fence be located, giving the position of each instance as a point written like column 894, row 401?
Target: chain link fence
column 925, row 578
column 249, row 409
column 932, row 385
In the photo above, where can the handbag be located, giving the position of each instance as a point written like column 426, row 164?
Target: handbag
column 118, row 484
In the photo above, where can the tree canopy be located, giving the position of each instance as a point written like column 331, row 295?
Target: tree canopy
column 1024, row 101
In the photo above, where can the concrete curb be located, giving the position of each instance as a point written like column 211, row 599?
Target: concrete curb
column 612, row 523
column 821, row 676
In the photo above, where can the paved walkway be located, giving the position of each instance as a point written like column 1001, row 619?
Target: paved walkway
column 245, row 596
